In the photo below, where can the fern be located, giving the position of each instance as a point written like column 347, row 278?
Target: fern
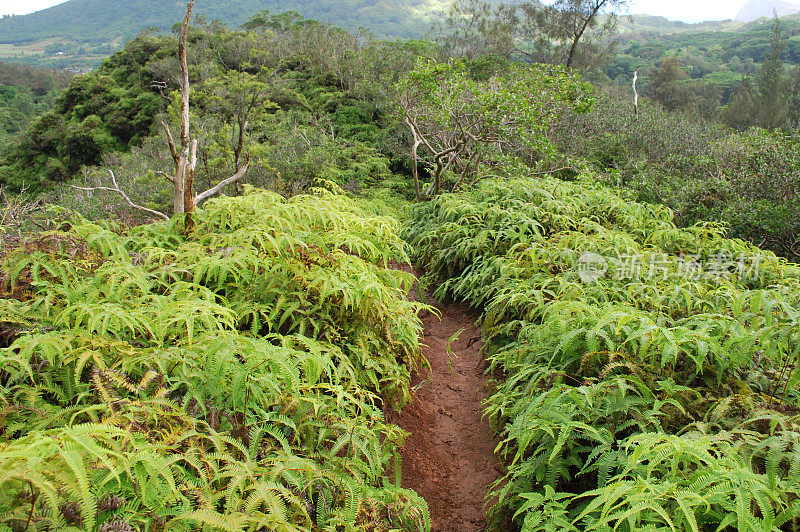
column 229, row 382
column 589, row 370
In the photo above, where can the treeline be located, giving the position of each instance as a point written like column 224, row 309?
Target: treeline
column 308, row 102
column 765, row 94
column 734, row 164
column 97, row 21
column 25, row 92
column 738, row 77
column 312, row 96
column 38, row 81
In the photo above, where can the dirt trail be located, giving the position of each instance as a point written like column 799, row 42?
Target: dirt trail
column 449, row 457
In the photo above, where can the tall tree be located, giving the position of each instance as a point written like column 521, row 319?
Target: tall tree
column 738, row 113
column 467, row 126
column 566, row 32
column 668, row 85
column 184, row 197
column 574, row 18
column 474, row 28
column 771, row 103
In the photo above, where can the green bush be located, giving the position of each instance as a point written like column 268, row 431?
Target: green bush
column 702, row 171
column 236, row 380
column 641, row 370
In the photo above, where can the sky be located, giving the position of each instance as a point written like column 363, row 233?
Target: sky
column 686, row 10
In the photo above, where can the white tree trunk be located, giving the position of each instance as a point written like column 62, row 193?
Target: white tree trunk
column 184, row 165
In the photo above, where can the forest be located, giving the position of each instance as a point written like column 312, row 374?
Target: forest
column 284, row 276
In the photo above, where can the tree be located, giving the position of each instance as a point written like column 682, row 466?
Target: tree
column 668, row 85
column 771, row 103
column 474, row 28
column 794, row 98
column 184, row 198
column 567, row 32
column 236, row 99
column 570, row 20
column 466, row 124
column 738, row 114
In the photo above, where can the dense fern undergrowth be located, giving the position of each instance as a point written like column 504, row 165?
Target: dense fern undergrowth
column 235, row 380
column 653, row 399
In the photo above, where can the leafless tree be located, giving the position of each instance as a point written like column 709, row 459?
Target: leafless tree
column 635, row 92
column 185, row 157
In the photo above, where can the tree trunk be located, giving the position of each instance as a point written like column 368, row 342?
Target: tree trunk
column 415, row 167
column 572, row 49
column 183, row 194
column 188, row 192
column 241, row 125
column 587, row 21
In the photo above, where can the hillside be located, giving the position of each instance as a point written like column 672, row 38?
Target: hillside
column 26, row 92
column 79, row 32
column 716, row 54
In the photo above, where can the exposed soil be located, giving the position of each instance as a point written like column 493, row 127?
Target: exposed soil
column 449, row 457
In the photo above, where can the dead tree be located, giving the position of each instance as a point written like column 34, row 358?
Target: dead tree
column 184, row 198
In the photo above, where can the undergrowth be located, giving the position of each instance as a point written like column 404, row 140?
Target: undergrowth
column 236, row 380
column 661, row 396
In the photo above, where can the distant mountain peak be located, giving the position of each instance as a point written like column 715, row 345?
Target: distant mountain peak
column 755, row 9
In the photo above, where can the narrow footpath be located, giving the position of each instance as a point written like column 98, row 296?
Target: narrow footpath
column 449, row 457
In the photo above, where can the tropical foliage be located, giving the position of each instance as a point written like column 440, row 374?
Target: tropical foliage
column 469, row 125
column 643, row 355
column 645, row 373
column 236, row 380
column 703, row 171
column 296, row 95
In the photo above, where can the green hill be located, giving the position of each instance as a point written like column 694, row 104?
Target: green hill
column 101, row 21
column 719, row 54
column 80, row 32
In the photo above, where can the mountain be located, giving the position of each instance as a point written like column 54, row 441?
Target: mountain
column 86, row 28
column 94, row 20
column 755, row 9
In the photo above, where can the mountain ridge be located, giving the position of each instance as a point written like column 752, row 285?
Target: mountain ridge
column 103, row 21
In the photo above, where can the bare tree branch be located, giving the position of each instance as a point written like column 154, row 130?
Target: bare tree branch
column 121, row 192
column 160, row 86
column 172, row 149
column 164, row 174
column 216, row 188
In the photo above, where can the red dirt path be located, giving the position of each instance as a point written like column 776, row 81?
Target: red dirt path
column 449, row 457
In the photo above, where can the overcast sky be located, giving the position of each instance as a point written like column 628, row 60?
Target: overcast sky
column 688, row 10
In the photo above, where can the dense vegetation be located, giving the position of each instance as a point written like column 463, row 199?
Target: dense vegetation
column 702, row 170
column 718, row 53
column 26, row 92
column 306, row 107
column 745, row 77
column 237, row 375
column 645, row 373
column 233, row 380
column 87, row 30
